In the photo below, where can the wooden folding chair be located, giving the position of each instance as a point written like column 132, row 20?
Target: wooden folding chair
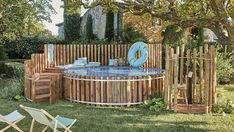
column 11, row 119
column 41, row 116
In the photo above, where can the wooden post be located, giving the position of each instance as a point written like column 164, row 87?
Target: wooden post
column 171, row 74
column 211, row 75
column 187, row 70
column 206, row 78
column 194, row 75
column 214, row 75
column 201, row 76
column 182, row 65
column 176, row 78
column 167, row 77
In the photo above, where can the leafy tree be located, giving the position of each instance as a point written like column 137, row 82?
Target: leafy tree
column 130, row 35
column 216, row 15
column 109, row 33
column 172, row 35
column 89, row 28
column 71, row 21
column 18, row 17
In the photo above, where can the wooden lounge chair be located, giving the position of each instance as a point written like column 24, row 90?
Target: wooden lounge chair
column 43, row 117
column 11, row 119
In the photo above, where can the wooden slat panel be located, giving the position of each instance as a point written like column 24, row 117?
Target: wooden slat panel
column 81, row 51
column 116, row 90
column 91, row 53
column 144, row 88
column 149, row 87
column 140, row 91
column 70, row 88
column 74, row 92
column 74, row 53
column 122, row 90
column 46, row 55
column 58, row 55
column 82, row 90
column 71, row 54
column 134, row 91
column 92, row 90
column 109, row 91
column 78, row 91
column 104, row 91
column 87, row 89
column 105, row 54
column 88, row 53
column 98, row 90
column 128, row 97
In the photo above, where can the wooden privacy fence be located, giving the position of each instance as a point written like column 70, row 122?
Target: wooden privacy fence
column 112, row 91
column 66, row 54
column 196, row 70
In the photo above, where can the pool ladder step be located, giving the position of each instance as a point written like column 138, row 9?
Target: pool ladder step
column 42, row 87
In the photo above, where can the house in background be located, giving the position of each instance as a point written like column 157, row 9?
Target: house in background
column 60, row 30
column 150, row 28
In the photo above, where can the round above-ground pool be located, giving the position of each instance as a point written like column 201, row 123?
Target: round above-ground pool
column 113, row 85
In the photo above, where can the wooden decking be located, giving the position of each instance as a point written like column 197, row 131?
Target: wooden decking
column 191, row 108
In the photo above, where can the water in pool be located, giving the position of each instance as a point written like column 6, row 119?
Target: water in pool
column 108, row 71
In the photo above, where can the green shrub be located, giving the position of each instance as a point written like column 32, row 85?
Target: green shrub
column 12, row 69
column 109, row 33
column 225, row 68
column 11, row 80
column 172, row 35
column 130, row 35
column 89, row 28
column 95, row 41
column 24, row 47
column 11, row 89
column 71, row 27
column 3, row 54
column 155, row 104
column 222, row 107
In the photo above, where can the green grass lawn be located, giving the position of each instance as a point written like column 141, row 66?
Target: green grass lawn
column 92, row 118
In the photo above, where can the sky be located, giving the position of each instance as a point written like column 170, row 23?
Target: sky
column 56, row 18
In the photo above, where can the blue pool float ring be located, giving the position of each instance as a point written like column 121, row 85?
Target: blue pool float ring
column 138, row 46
